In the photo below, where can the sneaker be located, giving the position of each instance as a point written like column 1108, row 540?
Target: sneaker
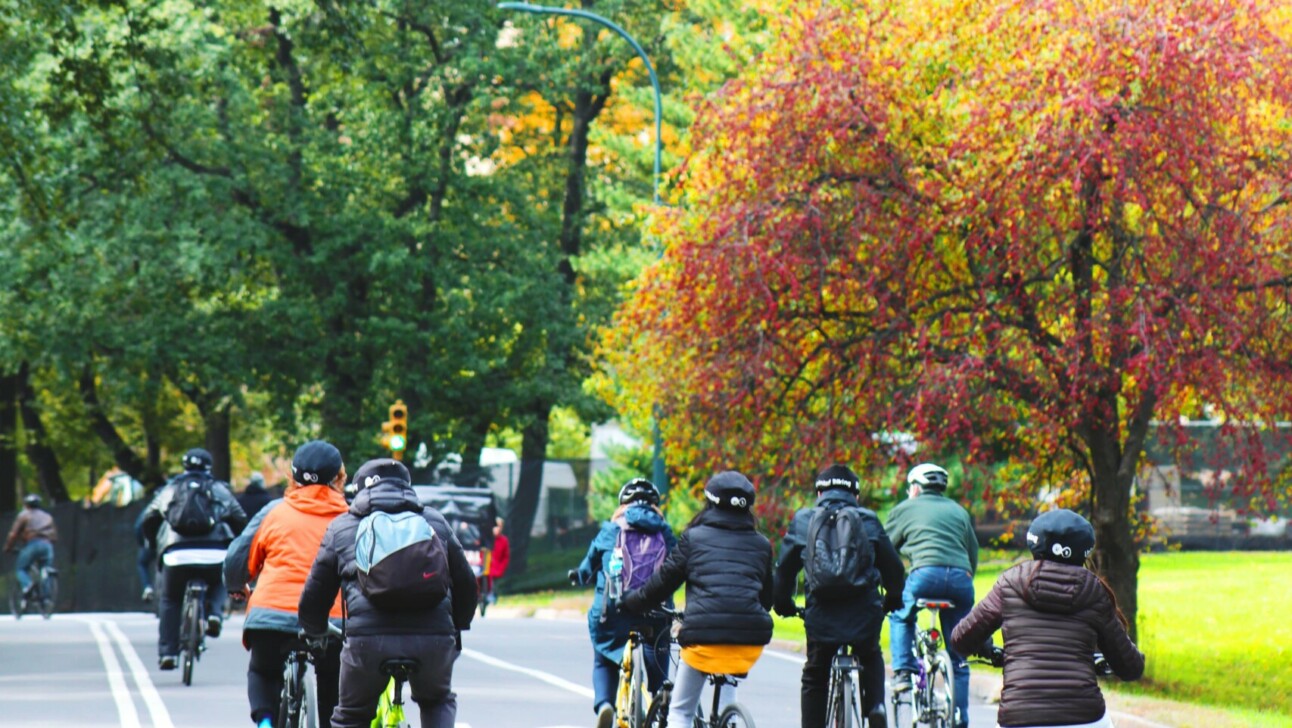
column 148, row 594
column 265, row 723
column 902, row 680
column 877, row 718
column 606, row 716
column 213, row 626
column 167, row 662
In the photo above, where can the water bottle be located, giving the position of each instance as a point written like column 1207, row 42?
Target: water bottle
column 614, row 585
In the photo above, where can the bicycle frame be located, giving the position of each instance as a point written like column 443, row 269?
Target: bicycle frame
column 630, row 698
column 933, row 697
column 843, row 699
column 192, row 629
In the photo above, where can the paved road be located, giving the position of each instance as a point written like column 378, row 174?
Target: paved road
column 98, row 670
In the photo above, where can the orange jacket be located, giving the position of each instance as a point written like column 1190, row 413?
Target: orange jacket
column 279, row 547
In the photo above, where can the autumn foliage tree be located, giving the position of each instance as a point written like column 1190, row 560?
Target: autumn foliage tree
column 1027, row 229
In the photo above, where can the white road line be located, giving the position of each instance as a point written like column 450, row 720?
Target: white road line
column 546, row 677
column 116, row 679
column 156, row 708
column 796, row 659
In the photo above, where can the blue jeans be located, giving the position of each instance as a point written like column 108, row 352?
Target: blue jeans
column 934, row 582
column 38, row 551
column 605, row 675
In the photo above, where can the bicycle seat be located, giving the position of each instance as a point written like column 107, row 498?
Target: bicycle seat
column 399, row 668
column 934, row 604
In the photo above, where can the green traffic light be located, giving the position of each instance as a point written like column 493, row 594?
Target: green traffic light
column 397, row 442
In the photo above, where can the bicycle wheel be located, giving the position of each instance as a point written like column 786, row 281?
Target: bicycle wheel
column 735, row 716
column 289, row 702
column 637, row 691
column 188, row 627
column 836, row 707
column 49, row 596
column 942, row 703
column 903, row 711
column 657, row 716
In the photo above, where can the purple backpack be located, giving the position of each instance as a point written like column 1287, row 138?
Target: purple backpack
column 642, row 552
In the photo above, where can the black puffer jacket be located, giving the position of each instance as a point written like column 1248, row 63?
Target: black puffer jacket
column 1054, row 616
column 727, row 567
column 335, row 568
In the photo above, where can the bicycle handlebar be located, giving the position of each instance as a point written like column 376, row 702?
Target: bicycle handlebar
column 995, row 656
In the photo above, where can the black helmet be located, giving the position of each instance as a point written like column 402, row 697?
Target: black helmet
column 639, row 489
column 730, row 490
column 197, row 459
column 31, row 501
column 838, row 476
column 928, row 476
column 1061, row 535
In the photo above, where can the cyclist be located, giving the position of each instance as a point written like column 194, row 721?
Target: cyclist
column 1055, row 613
column 192, row 556
column 276, row 551
column 854, row 618
column 937, row 536
column 145, row 560
column 373, row 634
column 727, row 566
column 255, row 496
column 608, row 626
column 34, row 528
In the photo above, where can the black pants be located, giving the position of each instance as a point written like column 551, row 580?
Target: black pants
column 265, row 673
column 362, row 682
column 174, row 581
column 816, row 679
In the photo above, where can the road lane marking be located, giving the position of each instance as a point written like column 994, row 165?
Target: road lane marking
column 546, row 677
column 796, row 659
column 116, row 679
column 156, row 708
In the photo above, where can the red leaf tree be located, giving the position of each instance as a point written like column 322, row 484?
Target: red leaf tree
column 1031, row 231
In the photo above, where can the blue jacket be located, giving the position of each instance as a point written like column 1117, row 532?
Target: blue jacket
column 609, row 635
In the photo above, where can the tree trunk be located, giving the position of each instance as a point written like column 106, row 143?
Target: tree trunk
column 39, row 453
column 122, row 454
column 8, row 443
column 217, row 422
column 1116, row 556
column 520, row 519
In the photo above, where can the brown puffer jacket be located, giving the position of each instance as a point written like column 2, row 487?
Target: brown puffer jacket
column 1054, row 616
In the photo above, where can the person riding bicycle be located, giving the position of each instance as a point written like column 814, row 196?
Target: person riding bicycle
column 837, row 615
column 608, row 624
column 255, row 496
column 190, row 523
column 276, row 551
column 727, row 567
column 34, row 528
column 375, row 633
column 1055, row 614
column 935, row 533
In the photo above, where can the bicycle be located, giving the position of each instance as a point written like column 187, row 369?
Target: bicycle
column 931, row 699
column 734, row 715
column 390, row 709
column 43, row 593
column 298, row 701
column 843, row 707
column 192, row 627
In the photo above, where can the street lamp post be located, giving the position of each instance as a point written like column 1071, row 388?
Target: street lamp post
column 657, row 460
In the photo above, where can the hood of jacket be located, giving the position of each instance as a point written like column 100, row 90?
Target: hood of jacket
column 1057, row 588
column 316, row 500
column 387, row 496
column 642, row 518
column 836, row 496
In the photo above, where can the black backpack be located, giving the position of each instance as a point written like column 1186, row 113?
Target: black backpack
column 402, row 563
column 839, row 556
column 193, row 511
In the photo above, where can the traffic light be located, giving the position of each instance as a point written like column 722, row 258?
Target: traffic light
column 395, row 430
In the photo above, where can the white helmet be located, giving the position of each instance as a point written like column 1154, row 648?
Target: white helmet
column 928, row 476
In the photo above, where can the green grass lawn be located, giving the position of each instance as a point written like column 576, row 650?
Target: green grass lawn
column 1211, row 625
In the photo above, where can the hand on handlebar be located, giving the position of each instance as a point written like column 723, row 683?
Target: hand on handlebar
column 1102, row 668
